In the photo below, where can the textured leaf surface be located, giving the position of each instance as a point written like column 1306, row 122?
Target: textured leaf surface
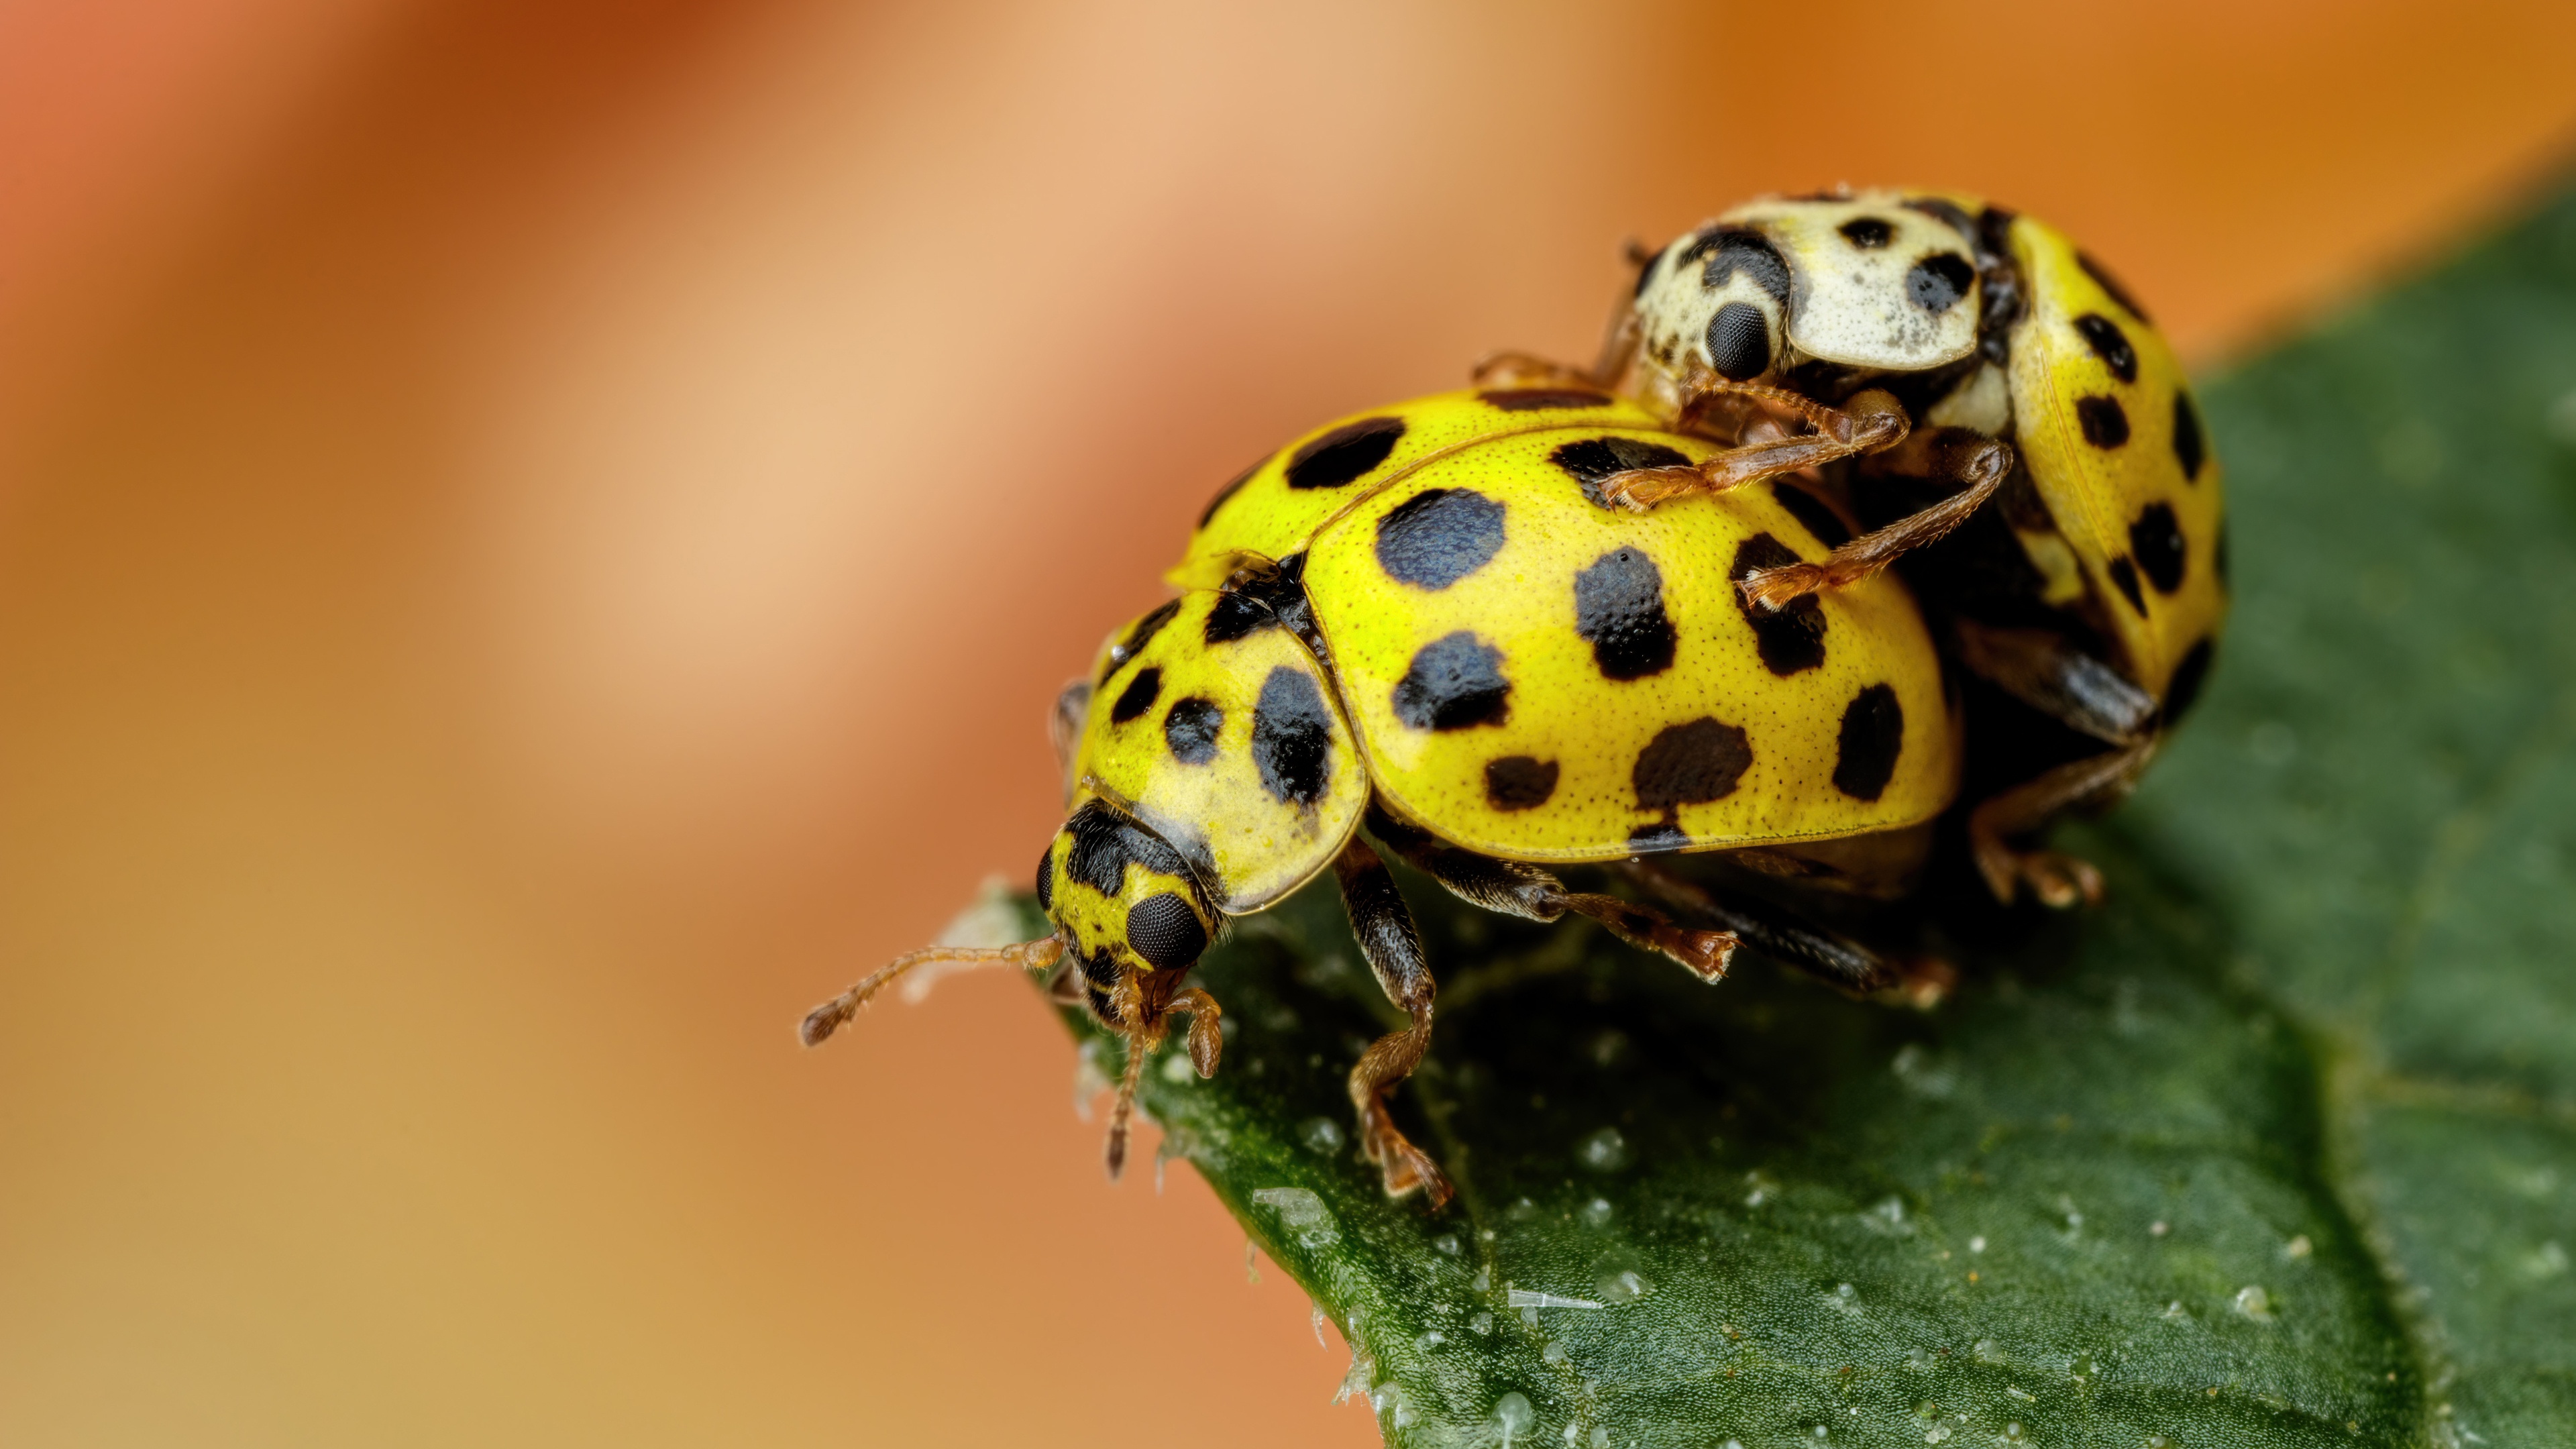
column 2277, row 1148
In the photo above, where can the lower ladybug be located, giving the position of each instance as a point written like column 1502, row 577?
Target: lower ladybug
column 1425, row 632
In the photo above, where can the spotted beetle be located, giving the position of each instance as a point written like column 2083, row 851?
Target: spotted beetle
column 1920, row 355
column 1428, row 630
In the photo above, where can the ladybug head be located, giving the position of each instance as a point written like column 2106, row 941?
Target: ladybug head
column 1128, row 907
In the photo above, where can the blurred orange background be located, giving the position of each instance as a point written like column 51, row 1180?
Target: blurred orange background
column 535, row 540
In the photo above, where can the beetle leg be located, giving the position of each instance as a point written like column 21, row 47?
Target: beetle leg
column 2058, row 879
column 1394, row 950
column 1833, row 959
column 1527, row 369
column 1978, row 462
column 2042, row 670
column 1514, row 888
column 1870, row 422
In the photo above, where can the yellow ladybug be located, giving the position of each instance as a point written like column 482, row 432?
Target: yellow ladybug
column 1429, row 628
column 1920, row 354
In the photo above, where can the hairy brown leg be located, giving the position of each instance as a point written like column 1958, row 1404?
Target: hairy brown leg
column 822, row 1021
column 1525, row 369
column 1394, row 950
column 1870, row 422
column 1206, row 1040
column 1833, row 959
column 1979, row 462
column 1514, row 888
column 2058, row 879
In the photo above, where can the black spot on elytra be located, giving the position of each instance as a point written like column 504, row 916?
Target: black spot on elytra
column 1739, row 342
column 1190, row 728
column 1046, row 878
column 2157, row 541
column 2183, row 690
column 1138, row 697
column 1104, row 843
column 1868, row 233
column 1518, row 782
column 1292, row 737
column 1541, row 399
column 1345, row 453
column 1690, row 764
column 1228, row 491
column 1137, row 638
column 1748, row 252
column 2125, row 575
column 1594, row 460
column 2189, row 448
column 1619, row 611
column 2103, row 279
column 1790, row 638
column 1163, row 930
column 1455, row 682
column 1657, row 839
column 1807, row 508
column 1937, row 282
column 1873, row 734
column 2110, row 344
column 1439, row 536
column 2104, row 421
column 1267, row 601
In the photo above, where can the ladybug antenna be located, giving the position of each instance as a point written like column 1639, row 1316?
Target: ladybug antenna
column 1116, row 1153
column 822, row 1021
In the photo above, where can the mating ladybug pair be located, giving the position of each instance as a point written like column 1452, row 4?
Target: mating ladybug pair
column 1605, row 617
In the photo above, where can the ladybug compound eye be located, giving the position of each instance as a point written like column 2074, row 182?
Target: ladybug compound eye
column 1739, row 342
column 1165, row 931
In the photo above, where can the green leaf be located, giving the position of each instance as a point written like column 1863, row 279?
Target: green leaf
column 2276, row 1148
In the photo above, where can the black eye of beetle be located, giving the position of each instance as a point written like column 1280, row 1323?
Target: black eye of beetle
column 1165, row 931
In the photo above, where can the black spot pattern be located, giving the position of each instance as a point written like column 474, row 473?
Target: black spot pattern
column 1541, row 399
column 1138, row 637
column 1646, row 273
column 1228, row 491
column 2189, row 449
column 1619, row 611
column 1139, row 696
column 1873, row 734
column 2183, row 690
column 1439, row 536
column 2157, row 541
column 1046, row 878
column 1595, row 460
column 1868, row 233
column 1292, row 737
column 1739, row 342
column 2104, row 421
column 2103, row 279
column 1518, row 782
column 1807, row 508
column 1163, row 930
column 1104, row 843
column 1455, row 682
column 1690, row 764
column 2125, row 575
column 1265, row 602
column 1937, row 282
column 1748, row 252
column 1345, row 453
column 2110, row 344
column 1790, row 638
column 1190, row 728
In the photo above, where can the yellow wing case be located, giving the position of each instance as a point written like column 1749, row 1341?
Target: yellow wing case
column 1538, row 677
column 2115, row 445
column 1278, row 504
column 1213, row 725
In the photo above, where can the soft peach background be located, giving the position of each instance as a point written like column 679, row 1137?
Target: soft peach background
column 535, row 538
